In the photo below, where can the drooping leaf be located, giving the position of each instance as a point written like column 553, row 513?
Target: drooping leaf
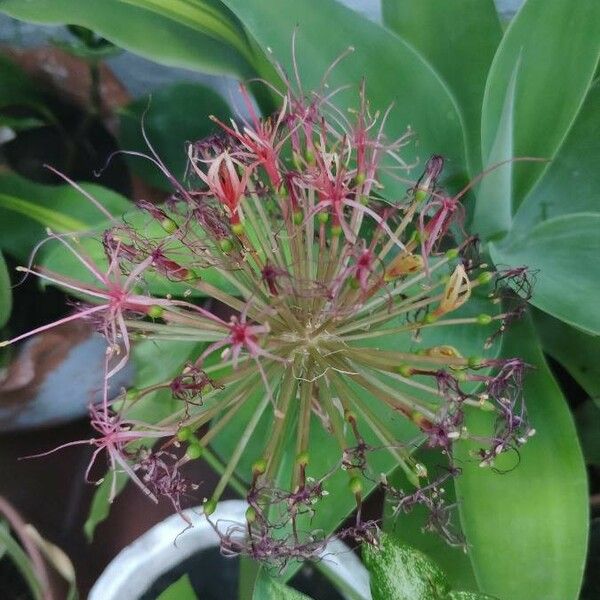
column 563, row 253
column 267, row 588
column 180, row 590
column 394, row 72
column 527, row 526
column 162, row 31
column 20, row 559
column 452, row 35
column 5, row 292
column 571, row 183
column 575, row 350
column 174, row 115
column 400, row 572
column 27, row 209
column 558, row 44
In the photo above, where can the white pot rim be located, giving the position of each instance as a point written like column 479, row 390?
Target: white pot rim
column 169, row 543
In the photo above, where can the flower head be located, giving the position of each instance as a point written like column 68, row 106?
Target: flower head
column 335, row 308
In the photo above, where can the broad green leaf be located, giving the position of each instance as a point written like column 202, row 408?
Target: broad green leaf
column 180, row 590
column 394, row 71
column 399, row 572
column 459, row 38
column 493, row 208
column 563, row 253
column 527, row 527
column 5, row 292
column 27, row 209
column 161, row 32
column 173, row 116
column 575, row 350
column 558, row 44
column 572, row 182
column 267, row 588
column 587, row 417
column 100, row 506
column 468, row 596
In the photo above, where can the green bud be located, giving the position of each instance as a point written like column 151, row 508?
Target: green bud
column 355, row 485
column 226, row 245
column 354, row 283
column 250, row 514
column 484, row 277
column 452, row 253
column 310, row 157
column 429, row 319
column 237, row 229
column 336, row 230
column 360, row 178
column 297, row 217
column 483, row 319
column 323, row 217
column 184, row 434
column 132, row 393
column 364, row 200
column 156, row 312
column 209, row 507
column 404, row 370
column 169, row 225
column 259, row 467
column 420, row 195
column 194, row 451
column 302, row 459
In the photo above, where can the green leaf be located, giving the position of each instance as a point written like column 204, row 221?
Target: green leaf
column 267, row 588
column 395, row 72
column 27, row 208
column 459, row 38
column 174, row 115
column 493, row 209
column 576, row 351
column 100, row 506
column 527, row 527
column 5, row 292
column 399, row 572
column 563, row 252
column 180, row 590
column 558, row 44
column 163, row 31
column 572, row 182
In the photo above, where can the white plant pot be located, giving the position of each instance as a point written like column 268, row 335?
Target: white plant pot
column 131, row 573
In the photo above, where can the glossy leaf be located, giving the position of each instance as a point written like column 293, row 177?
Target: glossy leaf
column 27, row 208
column 160, row 33
column 399, row 572
column 562, row 253
column 174, row 115
column 454, row 595
column 180, row 590
column 527, row 527
column 459, row 38
column 558, row 44
column 572, row 182
column 267, row 588
column 576, row 351
column 395, row 72
column 493, row 208
column 5, row 292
